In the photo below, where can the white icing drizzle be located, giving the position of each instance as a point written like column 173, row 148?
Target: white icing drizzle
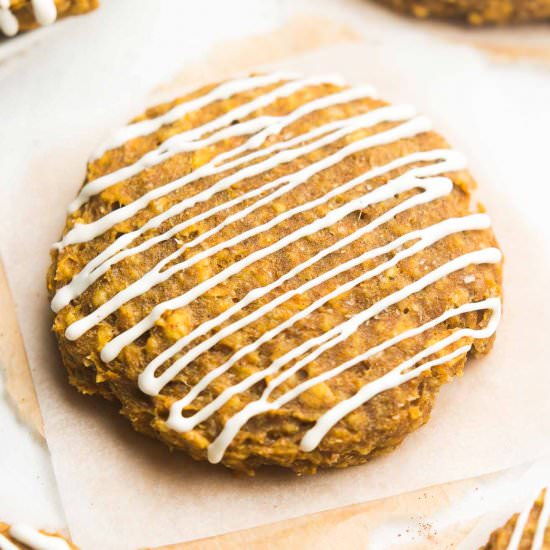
column 8, row 22
column 37, row 540
column 176, row 421
column 155, row 276
column 184, row 141
column 152, row 385
column 401, row 373
column 515, row 539
column 106, row 259
column 428, row 179
column 45, row 13
column 542, row 522
column 85, row 232
column 223, row 91
column 6, row 544
column 326, row 341
column 523, row 518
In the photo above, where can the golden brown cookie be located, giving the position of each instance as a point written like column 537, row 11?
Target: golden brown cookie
column 275, row 270
column 529, row 530
column 24, row 15
column 475, row 12
column 23, row 537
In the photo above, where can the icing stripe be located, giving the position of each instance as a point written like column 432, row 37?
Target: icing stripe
column 180, row 142
column 330, row 338
column 523, row 518
column 542, row 522
column 6, row 544
column 45, row 11
column 151, row 385
column 113, row 348
column 112, row 254
column 401, row 374
column 37, row 540
column 269, row 125
column 8, row 22
column 223, row 91
column 390, row 380
column 155, row 276
column 85, row 232
column 521, row 522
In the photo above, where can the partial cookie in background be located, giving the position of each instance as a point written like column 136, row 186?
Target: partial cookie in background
column 275, row 270
column 475, row 12
column 24, row 15
column 24, row 537
column 528, row 530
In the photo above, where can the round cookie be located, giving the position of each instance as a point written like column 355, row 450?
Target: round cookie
column 24, row 15
column 275, row 270
column 528, row 530
column 475, row 12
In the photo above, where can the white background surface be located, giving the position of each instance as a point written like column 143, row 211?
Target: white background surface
column 102, row 58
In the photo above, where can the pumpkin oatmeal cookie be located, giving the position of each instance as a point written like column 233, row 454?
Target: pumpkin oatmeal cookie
column 275, row 270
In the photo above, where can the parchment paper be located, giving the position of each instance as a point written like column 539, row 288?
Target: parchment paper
column 459, row 515
column 19, row 387
column 121, row 490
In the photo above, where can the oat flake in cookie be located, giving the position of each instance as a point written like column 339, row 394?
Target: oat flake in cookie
column 275, row 270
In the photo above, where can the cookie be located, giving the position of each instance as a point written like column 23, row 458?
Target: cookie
column 475, row 12
column 24, row 15
column 529, row 530
column 275, row 270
